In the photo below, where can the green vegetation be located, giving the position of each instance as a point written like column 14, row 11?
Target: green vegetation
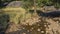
column 29, row 3
column 16, row 14
column 21, row 14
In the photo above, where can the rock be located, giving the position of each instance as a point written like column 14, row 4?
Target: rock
column 48, row 8
column 15, row 4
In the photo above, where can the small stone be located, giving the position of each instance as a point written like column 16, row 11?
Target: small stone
column 27, row 30
column 38, row 30
column 32, row 28
column 49, row 29
column 45, row 25
column 46, row 31
column 23, row 33
column 48, row 25
column 23, row 28
column 42, row 31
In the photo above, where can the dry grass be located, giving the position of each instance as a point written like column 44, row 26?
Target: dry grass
column 47, row 24
column 14, row 13
column 19, row 9
column 18, row 15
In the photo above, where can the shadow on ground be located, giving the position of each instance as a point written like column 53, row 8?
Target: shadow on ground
column 52, row 14
column 4, row 18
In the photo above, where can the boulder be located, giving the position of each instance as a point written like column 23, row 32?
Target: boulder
column 15, row 4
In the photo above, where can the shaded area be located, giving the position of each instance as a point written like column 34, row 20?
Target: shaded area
column 3, row 4
column 52, row 14
column 4, row 19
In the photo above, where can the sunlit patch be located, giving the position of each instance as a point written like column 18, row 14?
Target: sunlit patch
column 23, row 33
column 46, row 31
column 38, row 29
column 45, row 25
column 23, row 28
column 42, row 31
column 28, row 31
column 31, row 29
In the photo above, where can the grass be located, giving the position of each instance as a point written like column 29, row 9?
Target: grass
column 17, row 15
